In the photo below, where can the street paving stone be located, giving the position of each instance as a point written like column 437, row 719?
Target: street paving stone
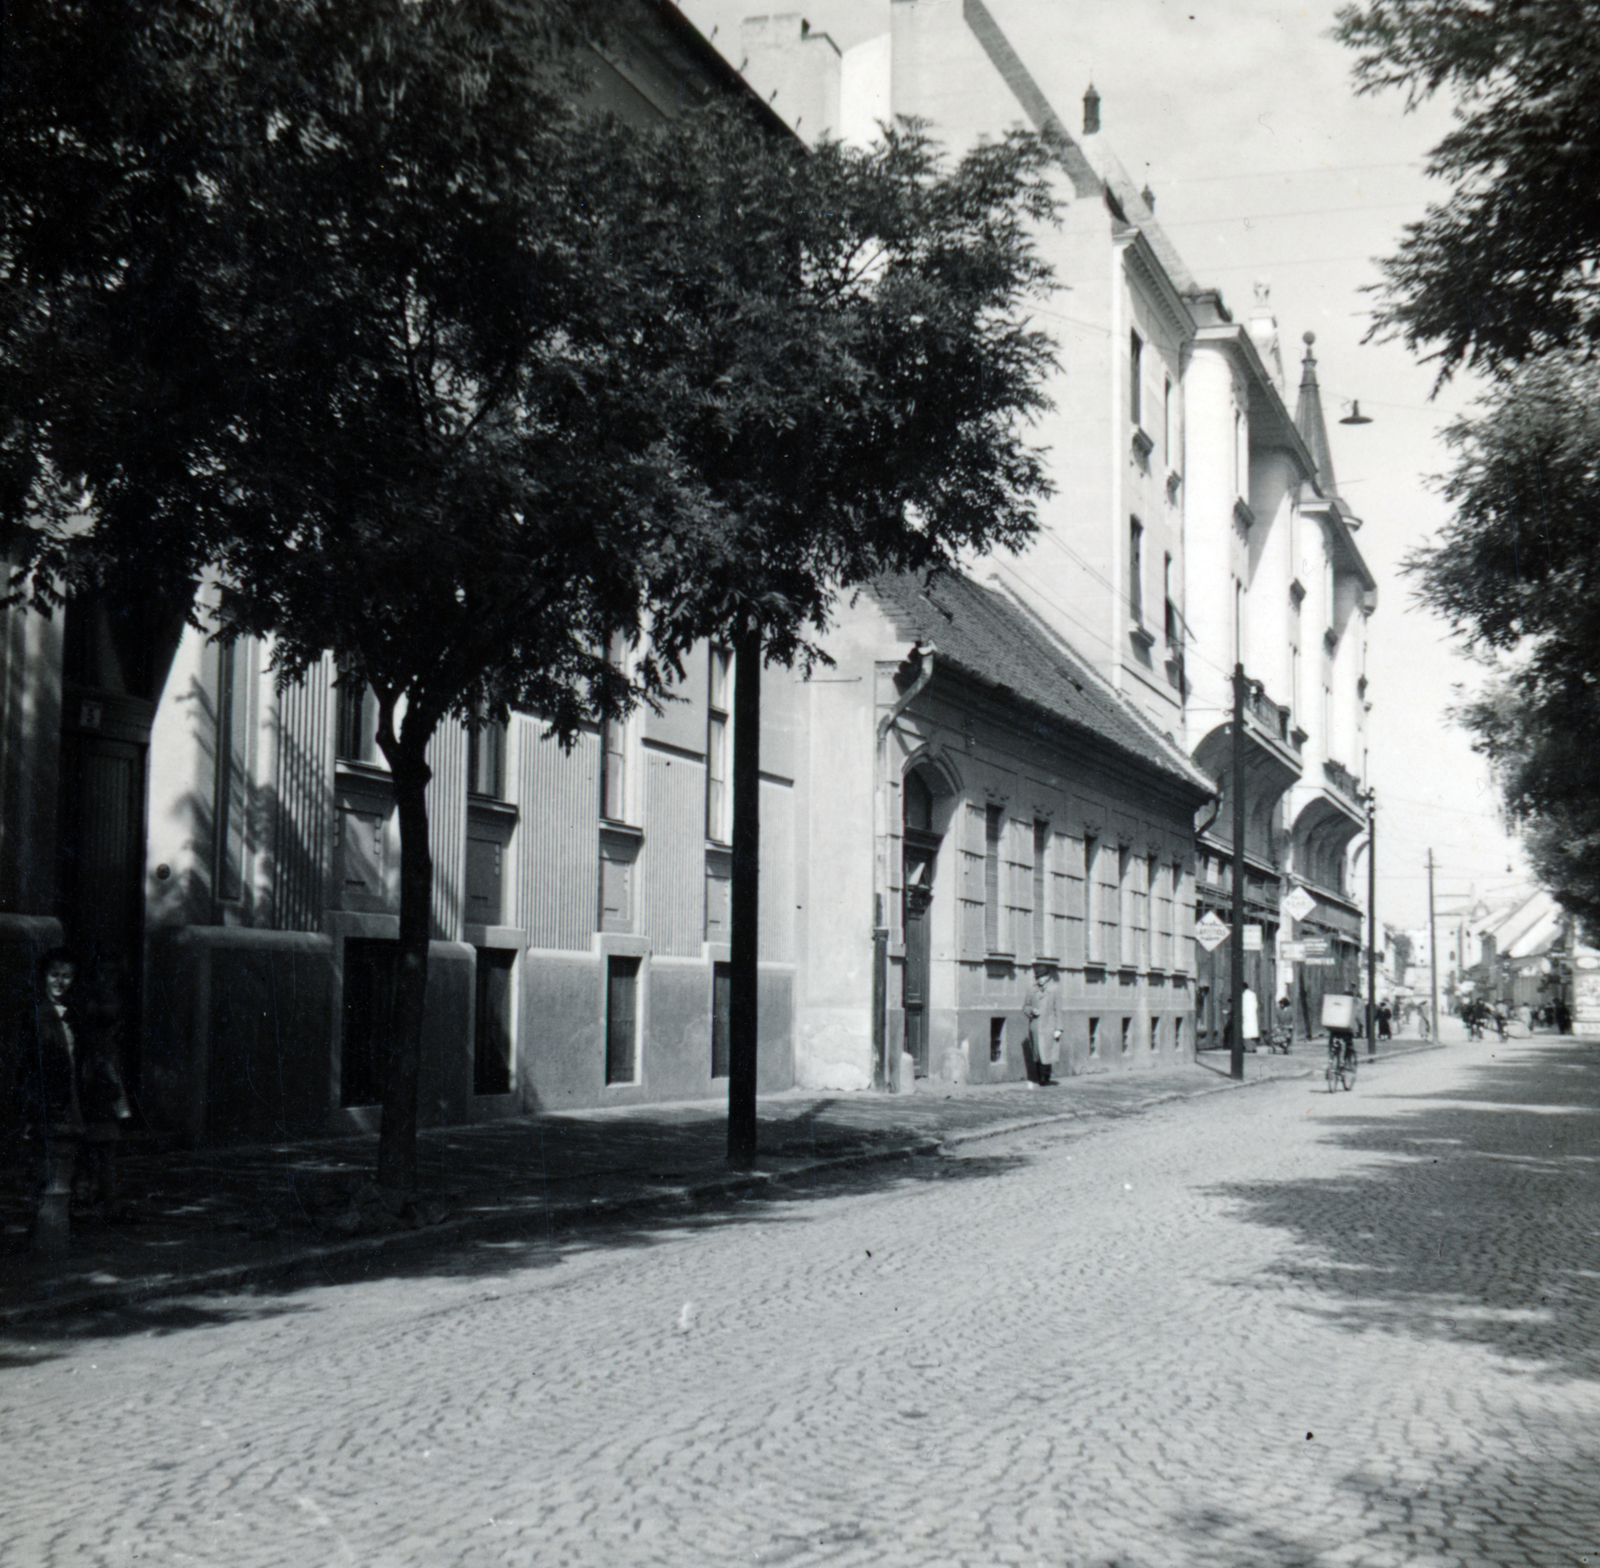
column 1270, row 1329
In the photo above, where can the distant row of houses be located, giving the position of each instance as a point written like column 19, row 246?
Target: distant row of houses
column 1021, row 768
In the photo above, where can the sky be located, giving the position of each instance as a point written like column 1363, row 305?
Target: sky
column 1242, row 117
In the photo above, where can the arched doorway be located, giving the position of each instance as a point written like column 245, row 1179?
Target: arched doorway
column 920, row 854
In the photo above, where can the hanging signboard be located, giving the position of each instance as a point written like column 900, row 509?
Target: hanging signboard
column 1316, row 947
column 1292, row 952
column 1212, row 932
column 1252, row 939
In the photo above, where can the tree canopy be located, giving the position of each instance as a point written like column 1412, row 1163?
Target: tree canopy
column 1506, row 267
column 1516, row 574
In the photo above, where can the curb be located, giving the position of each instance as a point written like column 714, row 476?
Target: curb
column 471, row 1227
column 474, row 1227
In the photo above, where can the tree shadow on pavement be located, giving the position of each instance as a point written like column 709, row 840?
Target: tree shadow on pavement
column 1475, row 1220
column 1475, row 1510
column 520, row 1239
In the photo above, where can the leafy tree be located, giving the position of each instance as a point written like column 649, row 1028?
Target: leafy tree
column 1506, row 268
column 1516, row 573
column 860, row 373
column 371, row 354
column 349, row 326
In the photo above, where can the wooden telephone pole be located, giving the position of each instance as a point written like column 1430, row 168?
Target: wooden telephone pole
column 1236, row 948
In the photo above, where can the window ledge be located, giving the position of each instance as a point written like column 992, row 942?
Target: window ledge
column 1142, row 635
column 1243, row 515
column 1143, row 446
column 621, row 830
column 349, row 769
column 492, row 806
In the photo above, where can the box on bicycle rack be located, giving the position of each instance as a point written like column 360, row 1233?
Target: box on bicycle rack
column 1338, row 1011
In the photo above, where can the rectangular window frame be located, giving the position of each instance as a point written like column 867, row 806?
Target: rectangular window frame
column 486, row 759
column 1093, row 937
column 1041, row 890
column 623, row 986
column 1136, row 570
column 994, row 820
column 719, row 746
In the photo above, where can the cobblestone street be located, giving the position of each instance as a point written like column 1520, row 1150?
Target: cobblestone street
column 1276, row 1327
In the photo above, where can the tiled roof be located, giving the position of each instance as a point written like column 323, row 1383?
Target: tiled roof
column 997, row 642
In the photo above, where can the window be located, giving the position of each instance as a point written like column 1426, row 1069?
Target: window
column 1093, row 914
column 1127, row 1035
column 1041, row 884
column 1155, row 1034
column 1130, row 906
column 618, row 853
column 1136, row 570
column 233, row 739
column 1241, row 460
column 1158, row 909
column 491, row 1046
column 721, row 1018
column 1171, row 630
column 719, row 749
column 614, row 750
column 993, row 827
column 485, row 877
column 997, row 1039
column 355, row 721
column 1238, row 621
column 1166, row 421
column 622, row 1020
column 486, row 759
column 1177, row 1035
column 1135, row 377
column 1094, row 1037
column 613, row 770
column 371, row 972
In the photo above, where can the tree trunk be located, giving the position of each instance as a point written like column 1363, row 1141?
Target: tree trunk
column 746, row 899
column 397, row 1142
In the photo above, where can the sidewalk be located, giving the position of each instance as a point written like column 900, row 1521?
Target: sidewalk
column 222, row 1219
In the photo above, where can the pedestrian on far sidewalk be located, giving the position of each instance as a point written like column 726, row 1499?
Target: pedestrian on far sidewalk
column 1044, row 1028
column 1385, row 1021
column 63, row 1074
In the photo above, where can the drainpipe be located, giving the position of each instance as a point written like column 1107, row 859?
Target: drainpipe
column 882, row 1071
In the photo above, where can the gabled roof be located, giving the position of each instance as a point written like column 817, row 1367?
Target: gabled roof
column 997, row 643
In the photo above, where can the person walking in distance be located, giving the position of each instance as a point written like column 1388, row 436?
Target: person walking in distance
column 1044, row 1028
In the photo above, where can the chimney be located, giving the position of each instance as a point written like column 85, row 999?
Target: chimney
column 1091, row 112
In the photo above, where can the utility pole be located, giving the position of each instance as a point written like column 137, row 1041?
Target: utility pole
column 1236, row 950
column 1433, row 949
column 1372, row 921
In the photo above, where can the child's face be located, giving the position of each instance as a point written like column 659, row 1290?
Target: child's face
column 58, row 981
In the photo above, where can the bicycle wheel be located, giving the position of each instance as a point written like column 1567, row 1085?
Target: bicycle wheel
column 1333, row 1077
column 1347, row 1074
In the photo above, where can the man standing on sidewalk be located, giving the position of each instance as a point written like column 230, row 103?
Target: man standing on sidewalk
column 1044, row 1028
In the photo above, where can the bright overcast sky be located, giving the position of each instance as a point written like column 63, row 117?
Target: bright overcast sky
column 1266, row 165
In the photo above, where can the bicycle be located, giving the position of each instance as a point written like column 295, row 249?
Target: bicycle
column 1341, row 1071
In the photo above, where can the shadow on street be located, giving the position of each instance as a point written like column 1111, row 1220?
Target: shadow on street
column 1475, row 1218
column 527, row 1241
